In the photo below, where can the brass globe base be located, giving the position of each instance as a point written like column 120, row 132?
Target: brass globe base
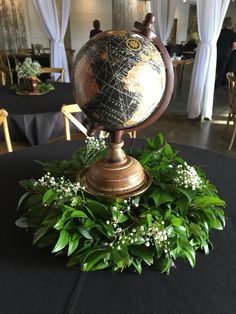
column 115, row 175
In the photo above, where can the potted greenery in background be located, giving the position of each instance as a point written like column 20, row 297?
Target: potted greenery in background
column 29, row 71
column 37, row 48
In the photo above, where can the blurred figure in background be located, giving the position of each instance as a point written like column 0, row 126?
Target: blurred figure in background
column 225, row 44
column 96, row 30
column 191, row 45
column 231, row 66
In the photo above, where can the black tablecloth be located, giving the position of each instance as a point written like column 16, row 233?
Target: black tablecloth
column 36, row 119
column 34, row 281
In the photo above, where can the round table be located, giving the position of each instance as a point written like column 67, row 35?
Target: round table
column 36, row 119
column 35, row 281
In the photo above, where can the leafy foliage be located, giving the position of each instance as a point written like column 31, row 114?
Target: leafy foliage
column 22, row 87
column 171, row 220
column 28, row 68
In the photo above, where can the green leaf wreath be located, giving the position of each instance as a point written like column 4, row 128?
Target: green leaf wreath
column 171, row 220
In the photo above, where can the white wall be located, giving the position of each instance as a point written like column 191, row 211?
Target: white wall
column 83, row 12
column 182, row 15
column 232, row 11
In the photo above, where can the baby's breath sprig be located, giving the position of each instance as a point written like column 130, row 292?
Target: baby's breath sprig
column 62, row 186
column 187, row 177
column 94, row 145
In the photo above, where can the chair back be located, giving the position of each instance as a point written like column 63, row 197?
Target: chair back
column 59, row 71
column 3, row 121
column 231, row 84
column 231, row 78
column 68, row 111
column 2, row 78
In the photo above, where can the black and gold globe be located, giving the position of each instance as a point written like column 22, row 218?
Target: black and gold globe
column 119, row 79
column 122, row 82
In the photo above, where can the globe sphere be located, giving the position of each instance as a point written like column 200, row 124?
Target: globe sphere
column 119, row 79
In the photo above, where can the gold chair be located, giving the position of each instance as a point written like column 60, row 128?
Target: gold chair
column 25, row 51
column 2, row 78
column 55, row 70
column 6, row 65
column 232, row 106
column 68, row 111
column 3, row 121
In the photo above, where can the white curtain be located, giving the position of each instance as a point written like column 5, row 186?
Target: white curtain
column 47, row 10
column 210, row 14
column 164, row 11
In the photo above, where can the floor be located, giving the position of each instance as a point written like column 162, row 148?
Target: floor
column 177, row 128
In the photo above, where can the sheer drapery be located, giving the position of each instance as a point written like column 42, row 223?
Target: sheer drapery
column 164, row 11
column 48, row 12
column 210, row 18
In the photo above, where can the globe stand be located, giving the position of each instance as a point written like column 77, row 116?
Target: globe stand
column 116, row 175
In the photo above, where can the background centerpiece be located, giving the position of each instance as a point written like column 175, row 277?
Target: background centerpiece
column 29, row 83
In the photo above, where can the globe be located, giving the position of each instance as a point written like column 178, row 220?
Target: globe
column 119, row 79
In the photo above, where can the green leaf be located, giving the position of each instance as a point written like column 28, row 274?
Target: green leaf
column 143, row 252
column 93, row 258
column 62, row 241
column 164, row 264
column 40, row 233
column 121, row 257
column 187, row 250
column 216, row 224
column 149, row 220
column 196, row 230
column 207, row 200
column 183, row 205
column 180, row 230
column 176, row 221
column 160, row 196
column 168, row 151
column 137, row 265
column 85, row 232
column 49, row 196
column 190, row 194
column 156, row 142
column 73, row 243
column 98, row 208
column 65, row 216
column 190, row 254
column 21, row 200
column 22, row 222
column 78, row 214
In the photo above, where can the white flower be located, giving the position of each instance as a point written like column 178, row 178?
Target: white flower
column 63, row 186
column 95, row 144
column 187, row 177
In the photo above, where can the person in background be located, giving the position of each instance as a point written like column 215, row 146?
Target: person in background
column 225, row 44
column 192, row 43
column 96, row 30
column 231, row 66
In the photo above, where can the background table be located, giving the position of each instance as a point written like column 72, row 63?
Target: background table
column 36, row 119
column 33, row 281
